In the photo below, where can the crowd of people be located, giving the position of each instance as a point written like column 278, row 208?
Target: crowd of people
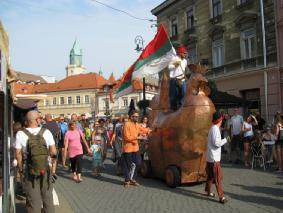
column 65, row 141
column 251, row 132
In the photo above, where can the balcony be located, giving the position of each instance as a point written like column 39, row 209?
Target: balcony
column 249, row 63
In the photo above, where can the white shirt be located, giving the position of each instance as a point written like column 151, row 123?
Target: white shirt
column 250, row 132
column 214, row 144
column 177, row 72
column 237, row 123
column 22, row 138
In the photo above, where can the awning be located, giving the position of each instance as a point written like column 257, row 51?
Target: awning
column 27, row 101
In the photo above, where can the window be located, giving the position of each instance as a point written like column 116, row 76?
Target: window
column 62, row 100
column 216, row 8
column 78, row 99
column 174, row 26
column 46, row 102
column 217, row 53
column 87, row 99
column 54, row 101
column 190, row 18
column 125, row 102
column 248, row 44
column 242, row 2
column 69, row 100
column 192, row 55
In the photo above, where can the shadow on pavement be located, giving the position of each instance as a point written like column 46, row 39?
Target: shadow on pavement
column 262, row 189
column 266, row 201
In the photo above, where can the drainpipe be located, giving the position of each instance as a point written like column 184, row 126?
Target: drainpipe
column 278, row 53
column 264, row 59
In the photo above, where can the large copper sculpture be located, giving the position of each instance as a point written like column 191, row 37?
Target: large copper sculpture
column 177, row 144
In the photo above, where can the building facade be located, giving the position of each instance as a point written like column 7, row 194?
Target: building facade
column 229, row 37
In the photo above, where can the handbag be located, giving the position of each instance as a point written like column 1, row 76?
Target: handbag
column 85, row 149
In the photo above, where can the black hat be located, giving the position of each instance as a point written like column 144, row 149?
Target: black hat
column 217, row 117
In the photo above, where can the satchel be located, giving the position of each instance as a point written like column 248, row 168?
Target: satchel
column 85, row 150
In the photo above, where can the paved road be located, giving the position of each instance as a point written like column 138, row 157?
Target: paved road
column 247, row 191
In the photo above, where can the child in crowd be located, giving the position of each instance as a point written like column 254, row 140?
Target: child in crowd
column 96, row 150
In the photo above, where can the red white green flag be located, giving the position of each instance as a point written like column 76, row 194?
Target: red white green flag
column 154, row 58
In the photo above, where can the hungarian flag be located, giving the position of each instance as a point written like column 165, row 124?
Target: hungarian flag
column 155, row 57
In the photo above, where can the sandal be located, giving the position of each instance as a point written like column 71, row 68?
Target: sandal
column 134, row 183
column 223, row 200
column 127, row 184
column 75, row 178
column 211, row 194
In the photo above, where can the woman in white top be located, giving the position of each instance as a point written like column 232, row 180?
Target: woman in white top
column 248, row 137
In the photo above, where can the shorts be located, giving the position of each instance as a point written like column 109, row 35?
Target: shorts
column 96, row 163
column 279, row 144
column 248, row 139
column 237, row 143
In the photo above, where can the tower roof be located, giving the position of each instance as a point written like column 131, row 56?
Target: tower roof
column 76, row 50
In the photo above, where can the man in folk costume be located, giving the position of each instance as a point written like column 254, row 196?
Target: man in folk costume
column 178, row 68
column 213, row 167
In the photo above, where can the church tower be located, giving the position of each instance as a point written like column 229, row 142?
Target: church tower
column 75, row 66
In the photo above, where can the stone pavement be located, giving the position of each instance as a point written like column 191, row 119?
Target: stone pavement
column 247, row 191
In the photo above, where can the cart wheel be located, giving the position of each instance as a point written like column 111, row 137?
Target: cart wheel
column 172, row 176
column 146, row 168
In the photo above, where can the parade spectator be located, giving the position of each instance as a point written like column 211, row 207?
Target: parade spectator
column 131, row 158
column 177, row 87
column 236, row 127
column 101, row 131
column 74, row 118
column 84, row 121
column 110, row 128
column 144, row 122
column 213, row 167
column 38, row 188
column 225, row 132
column 260, row 122
column 248, row 137
column 268, row 136
column 52, row 126
column 73, row 146
column 117, row 142
column 279, row 140
column 63, row 129
column 96, row 151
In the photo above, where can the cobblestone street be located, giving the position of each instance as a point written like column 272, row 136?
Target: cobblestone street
column 247, row 191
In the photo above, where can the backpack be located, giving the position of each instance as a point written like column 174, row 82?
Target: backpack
column 37, row 154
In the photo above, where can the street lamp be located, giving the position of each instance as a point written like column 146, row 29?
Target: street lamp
column 106, row 88
column 139, row 42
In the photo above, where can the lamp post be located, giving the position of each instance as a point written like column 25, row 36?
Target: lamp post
column 106, row 88
column 139, row 42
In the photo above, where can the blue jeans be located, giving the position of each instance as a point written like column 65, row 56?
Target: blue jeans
column 177, row 93
column 131, row 162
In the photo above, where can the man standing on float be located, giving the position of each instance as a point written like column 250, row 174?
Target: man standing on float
column 178, row 84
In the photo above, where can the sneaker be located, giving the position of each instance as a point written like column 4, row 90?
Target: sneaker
column 134, row 183
column 223, row 200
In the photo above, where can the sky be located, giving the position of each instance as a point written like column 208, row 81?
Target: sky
column 42, row 33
